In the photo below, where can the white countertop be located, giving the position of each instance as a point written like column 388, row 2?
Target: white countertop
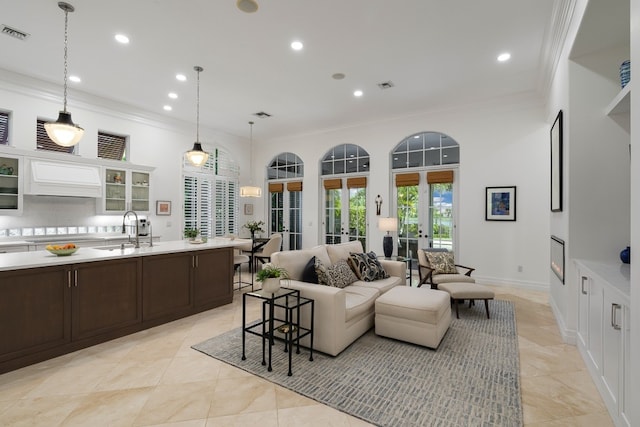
column 618, row 275
column 22, row 260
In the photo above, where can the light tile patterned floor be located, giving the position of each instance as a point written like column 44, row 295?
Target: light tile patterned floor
column 154, row 378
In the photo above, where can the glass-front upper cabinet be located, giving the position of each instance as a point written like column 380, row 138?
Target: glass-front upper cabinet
column 10, row 185
column 125, row 190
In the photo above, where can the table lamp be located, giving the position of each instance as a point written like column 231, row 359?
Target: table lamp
column 387, row 224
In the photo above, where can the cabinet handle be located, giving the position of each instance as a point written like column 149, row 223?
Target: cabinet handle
column 584, row 278
column 68, row 278
column 614, row 323
column 75, row 276
column 193, row 261
column 197, row 261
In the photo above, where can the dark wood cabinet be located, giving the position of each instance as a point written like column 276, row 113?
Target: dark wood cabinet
column 35, row 311
column 105, row 296
column 166, row 286
column 213, row 277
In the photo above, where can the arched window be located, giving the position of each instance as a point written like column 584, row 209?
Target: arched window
column 344, row 170
column 285, row 173
column 424, row 167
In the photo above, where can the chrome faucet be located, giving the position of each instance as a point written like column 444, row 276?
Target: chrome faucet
column 123, row 226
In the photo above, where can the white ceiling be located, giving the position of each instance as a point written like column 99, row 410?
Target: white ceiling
column 438, row 53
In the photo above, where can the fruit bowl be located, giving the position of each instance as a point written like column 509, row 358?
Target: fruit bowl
column 62, row 250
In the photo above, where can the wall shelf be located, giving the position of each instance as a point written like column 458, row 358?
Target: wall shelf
column 621, row 104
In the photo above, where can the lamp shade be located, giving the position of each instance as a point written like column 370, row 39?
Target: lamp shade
column 388, row 224
column 197, row 156
column 63, row 131
column 250, row 191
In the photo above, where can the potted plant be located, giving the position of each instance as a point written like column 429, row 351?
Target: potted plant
column 253, row 227
column 191, row 233
column 270, row 276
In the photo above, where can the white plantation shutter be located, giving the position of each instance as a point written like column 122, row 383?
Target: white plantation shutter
column 211, row 193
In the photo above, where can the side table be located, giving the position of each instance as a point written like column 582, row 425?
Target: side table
column 406, row 260
column 272, row 327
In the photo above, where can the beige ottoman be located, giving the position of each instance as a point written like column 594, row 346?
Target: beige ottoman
column 471, row 291
column 416, row 315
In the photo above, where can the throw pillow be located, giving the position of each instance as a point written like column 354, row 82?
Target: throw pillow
column 442, row 262
column 309, row 274
column 360, row 265
column 374, row 264
column 337, row 275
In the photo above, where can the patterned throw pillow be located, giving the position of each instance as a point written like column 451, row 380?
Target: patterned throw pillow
column 360, row 265
column 374, row 264
column 337, row 275
column 442, row 262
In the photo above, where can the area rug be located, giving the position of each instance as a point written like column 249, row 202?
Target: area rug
column 472, row 379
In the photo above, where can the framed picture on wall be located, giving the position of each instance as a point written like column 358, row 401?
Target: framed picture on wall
column 248, row 208
column 163, row 207
column 556, row 164
column 500, row 204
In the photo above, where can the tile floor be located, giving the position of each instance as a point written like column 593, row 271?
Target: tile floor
column 154, row 378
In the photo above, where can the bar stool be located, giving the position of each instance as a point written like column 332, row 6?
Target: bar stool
column 238, row 260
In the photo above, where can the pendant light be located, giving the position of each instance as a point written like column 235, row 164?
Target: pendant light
column 197, row 156
column 63, row 131
column 250, row 190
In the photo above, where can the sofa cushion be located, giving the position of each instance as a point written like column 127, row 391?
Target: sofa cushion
column 309, row 274
column 295, row 261
column 450, row 278
column 442, row 262
column 342, row 250
column 359, row 301
column 382, row 285
column 337, row 275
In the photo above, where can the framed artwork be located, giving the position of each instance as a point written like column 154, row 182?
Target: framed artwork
column 248, row 208
column 556, row 164
column 163, row 207
column 500, row 204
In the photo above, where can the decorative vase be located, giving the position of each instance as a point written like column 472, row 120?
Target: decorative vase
column 625, row 73
column 625, row 255
column 271, row 285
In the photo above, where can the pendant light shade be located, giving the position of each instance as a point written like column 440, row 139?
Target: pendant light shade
column 63, row 131
column 197, row 156
column 250, row 190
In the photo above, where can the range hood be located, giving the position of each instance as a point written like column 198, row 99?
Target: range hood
column 54, row 178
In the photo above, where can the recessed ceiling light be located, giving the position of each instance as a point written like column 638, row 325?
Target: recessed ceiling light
column 121, row 38
column 75, row 79
column 504, row 57
column 173, row 95
column 167, row 108
column 358, row 93
column 181, row 77
column 338, row 76
column 297, row 45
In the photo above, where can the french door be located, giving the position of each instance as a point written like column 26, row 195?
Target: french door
column 345, row 210
column 285, row 213
column 425, row 210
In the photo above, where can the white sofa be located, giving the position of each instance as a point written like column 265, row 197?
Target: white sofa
column 341, row 315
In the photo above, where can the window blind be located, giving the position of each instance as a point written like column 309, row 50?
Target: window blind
column 4, row 128
column 276, row 187
column 294, row 186
column 111, row 146
column 332, row 184
column 407, row 179
column 440, row 177
column 359, row 182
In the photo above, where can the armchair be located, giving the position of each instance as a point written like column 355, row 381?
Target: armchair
column 428, row 274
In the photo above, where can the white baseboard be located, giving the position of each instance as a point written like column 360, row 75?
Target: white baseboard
column 569, row 336
column 536, row 286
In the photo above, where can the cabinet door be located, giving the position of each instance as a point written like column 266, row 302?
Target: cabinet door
column 115, row 190
column 594, row 350
column 625, row 374
column 213, row 278
column 10, row 185
column 612, row 345
column 583, row 310
column 35, row 309
column 166, row 286
column 139, row 191
column 106, row 296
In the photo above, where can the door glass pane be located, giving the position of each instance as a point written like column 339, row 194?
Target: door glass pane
column 441, row 215
column 277, row 211
column 295, row 220
column 408, row 221
column 358, row 215
column 333, row 216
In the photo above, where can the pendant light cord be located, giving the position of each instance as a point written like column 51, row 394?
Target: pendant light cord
column 66, row 26
column 198, row 107
column 251, row 152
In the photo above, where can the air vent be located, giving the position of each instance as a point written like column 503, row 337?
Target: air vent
column 386, row 85
column 262, row 115
column 20, row 35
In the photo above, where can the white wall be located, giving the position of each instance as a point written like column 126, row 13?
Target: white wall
column 502, row 144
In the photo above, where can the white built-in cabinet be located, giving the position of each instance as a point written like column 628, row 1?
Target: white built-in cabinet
column 10, row 185
column 125, row 189
column 604, row 332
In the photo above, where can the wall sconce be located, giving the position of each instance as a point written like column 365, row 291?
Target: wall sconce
column 378, row 204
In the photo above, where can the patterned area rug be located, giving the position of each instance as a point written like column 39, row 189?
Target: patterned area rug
column 471, row 380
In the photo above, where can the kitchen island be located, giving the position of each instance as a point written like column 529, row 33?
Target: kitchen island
column 51, row 305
